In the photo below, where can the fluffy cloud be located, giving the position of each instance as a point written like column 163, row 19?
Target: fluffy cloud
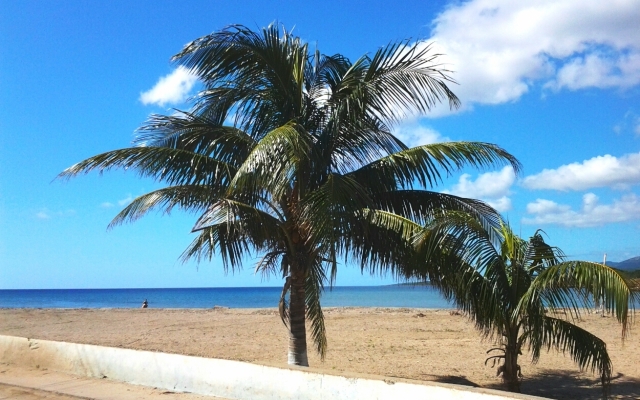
column 417, row 135
column 599, row 171
column 500, row 48
column 630, row 122
column 126, row 200
column 43, row 215
column 598, row 70
column 46, row 214
column 591, row 214
column 492, row 187
column 170, row 89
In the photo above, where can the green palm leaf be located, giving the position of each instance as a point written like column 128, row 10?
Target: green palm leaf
column 173, row 166
column 314, row 284
column 423, row 206
column 426, row 164
column 272, row 163
column 380, row 241
column 197, row 134
column 186, row 197
column 407, row 78
column 587, row 350
column 333, row 208
column 558, row 285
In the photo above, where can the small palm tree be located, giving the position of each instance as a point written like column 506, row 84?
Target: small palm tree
column 513, row 289
column 289, row 154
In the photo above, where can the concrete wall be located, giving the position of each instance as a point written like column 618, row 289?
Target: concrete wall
column 224, row 378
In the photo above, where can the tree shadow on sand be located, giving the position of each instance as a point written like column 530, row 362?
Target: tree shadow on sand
column 457, row 380
column 569, row 385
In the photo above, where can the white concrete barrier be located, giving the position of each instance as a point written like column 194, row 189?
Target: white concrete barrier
column 224, row 378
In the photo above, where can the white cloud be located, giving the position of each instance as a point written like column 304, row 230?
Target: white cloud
column 125, row 201
column 170, row 89
column 416, row 135
column 47, row 214
column 502, row 204
column 617, row 128
column 43, row 215
column 601, row 171
column 629, row 123
column 106, row 204
column 500, row 48
column 598, row 70
column 492, row 187
column 591, row 214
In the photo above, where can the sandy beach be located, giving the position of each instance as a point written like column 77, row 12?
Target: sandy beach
column 432, row 345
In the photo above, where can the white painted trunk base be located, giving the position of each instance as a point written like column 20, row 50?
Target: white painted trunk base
column 224, row 378
column 291, row 358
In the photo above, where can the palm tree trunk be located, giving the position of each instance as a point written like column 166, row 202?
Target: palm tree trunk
column 511, row 373
column 297, row 331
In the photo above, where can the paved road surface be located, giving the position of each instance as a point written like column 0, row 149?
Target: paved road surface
column 34, row 384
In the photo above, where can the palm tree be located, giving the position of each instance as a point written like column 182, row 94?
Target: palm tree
column 289, row 154
column 514, row 290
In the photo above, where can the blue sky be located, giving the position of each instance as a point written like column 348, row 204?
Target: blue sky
column 556, row 83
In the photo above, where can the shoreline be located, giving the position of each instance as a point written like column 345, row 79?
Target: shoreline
column 205, row 298
column 410, row 343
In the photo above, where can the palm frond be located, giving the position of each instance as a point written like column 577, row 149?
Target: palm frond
column 558, row 286
column 332, row 208
column 464, row 237
column 272, row 163
column 313, row 287
column 270, row 263
column 539, row 256
column 262, row 227
column 199, row 134
column 400, row 77
column 423, row 206
column 348, row 145
column 423, row 164
column 234, row 229
column 283, row 305
column 381, row 242
column 226, row 238
column 459, row 255
column 586, row 349
column 173, row 166
column 262, row 66
column 186, row 197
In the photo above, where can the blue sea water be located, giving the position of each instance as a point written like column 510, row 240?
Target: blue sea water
column 248, row 297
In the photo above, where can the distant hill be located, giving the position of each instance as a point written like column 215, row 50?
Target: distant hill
column 631, row 264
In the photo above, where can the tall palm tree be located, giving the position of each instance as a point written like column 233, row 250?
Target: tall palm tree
column 289, row 154
column 515, row 289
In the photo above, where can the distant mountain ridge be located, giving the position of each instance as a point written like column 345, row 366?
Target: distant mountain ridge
column 631, row 264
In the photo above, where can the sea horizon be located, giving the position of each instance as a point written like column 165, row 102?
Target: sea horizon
column 394, row 295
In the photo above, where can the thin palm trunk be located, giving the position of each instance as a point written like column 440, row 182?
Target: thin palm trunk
column 297, row 332
column 511, row 372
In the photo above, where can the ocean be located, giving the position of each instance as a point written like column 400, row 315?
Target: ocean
column 241, row 297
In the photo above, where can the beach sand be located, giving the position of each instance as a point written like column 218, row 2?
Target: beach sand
column 430, row 345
